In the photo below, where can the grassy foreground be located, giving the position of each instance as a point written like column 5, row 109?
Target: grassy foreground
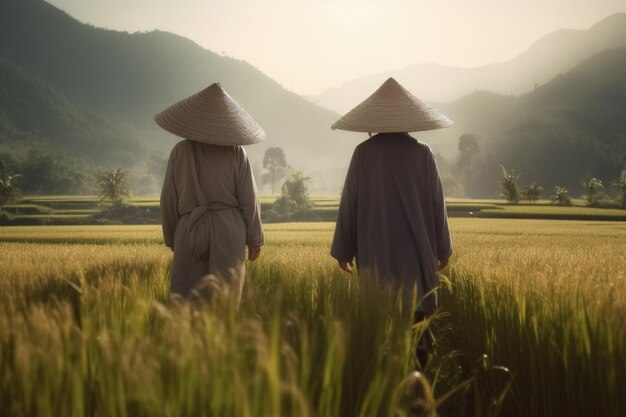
column 84, row 329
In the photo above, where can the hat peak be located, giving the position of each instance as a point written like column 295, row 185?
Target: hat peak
column 392, row 108
column 215, row 87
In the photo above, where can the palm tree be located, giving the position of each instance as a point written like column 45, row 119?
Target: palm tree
column 508, row 185
column 113, row 186
column 9, row 189
column 561, row 196
column 593, row 188
column 620, row 185
column 533, row 192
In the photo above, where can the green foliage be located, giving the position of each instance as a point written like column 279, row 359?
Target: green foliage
column 295, row 189
column 275, row 162
column 620, row 186
column 533, row 192
column 9, row 189
column 593, row 188
column 114, row 186
column 295, row 197
column 508, row 185
column 115, row 82
column 306, row 341
column 48, row 172
column 561, row 197
column 574, row 124
column 468, row 149
column 88, row 330
column 33, row 109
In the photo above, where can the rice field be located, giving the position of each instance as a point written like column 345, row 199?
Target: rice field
column 532, row 323
column 80, row 210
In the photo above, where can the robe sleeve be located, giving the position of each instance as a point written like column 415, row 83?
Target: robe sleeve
column 169, row 205
column 344, row 245
column 248, row 199
column 442, row 231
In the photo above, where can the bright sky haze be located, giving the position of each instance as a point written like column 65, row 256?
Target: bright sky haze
column 311, row 45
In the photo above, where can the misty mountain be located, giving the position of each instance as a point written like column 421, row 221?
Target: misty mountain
column 74, row 98
column 127, row 78
column 35, row 113
column 570, row 128
column 551, row 55
column 55, row 145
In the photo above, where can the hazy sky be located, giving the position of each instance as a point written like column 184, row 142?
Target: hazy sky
column 311, row 45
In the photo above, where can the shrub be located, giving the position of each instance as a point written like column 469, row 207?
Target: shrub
column 113, row 186
column 295, row 197
column 593, row 189
column 533, row 192
column 561, row 196
column 9, row 189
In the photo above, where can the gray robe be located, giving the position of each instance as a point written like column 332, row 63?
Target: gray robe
column 392, row 215
column 209, row 211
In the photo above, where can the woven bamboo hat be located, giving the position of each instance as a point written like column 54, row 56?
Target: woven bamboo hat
column 392, row 108
column 211, row 116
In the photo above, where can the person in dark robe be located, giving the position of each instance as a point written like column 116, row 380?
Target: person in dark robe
column 210, row 208
column 392, row 217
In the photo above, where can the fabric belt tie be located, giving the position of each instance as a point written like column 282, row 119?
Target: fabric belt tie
column 200, row 228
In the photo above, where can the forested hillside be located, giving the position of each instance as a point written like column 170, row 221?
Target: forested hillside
column 572, row 127
column 50, row 141
column 75, row 99
column 126, row 78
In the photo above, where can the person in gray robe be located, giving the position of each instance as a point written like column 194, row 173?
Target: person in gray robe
column 392, row 216
column 210, row 207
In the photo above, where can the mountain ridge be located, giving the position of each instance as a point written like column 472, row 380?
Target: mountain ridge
column 571, row 127
column 130, row 77
column 550, row 55
column 90, row 94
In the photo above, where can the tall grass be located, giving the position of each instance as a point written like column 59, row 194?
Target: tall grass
column 91, row 334
column 86, row 328
column 549, row 306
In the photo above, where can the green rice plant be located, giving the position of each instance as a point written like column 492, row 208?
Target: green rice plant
column 86, row 327
column 89, row 333
column 551, row 309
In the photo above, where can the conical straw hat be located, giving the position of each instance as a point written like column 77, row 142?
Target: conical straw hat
column 392, row 108
column 211, row 116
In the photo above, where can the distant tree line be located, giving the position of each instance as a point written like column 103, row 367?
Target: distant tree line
column 595, row 194
column 45, row 171
column 461, row 178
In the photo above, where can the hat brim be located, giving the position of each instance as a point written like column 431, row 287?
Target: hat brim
column 211, row 116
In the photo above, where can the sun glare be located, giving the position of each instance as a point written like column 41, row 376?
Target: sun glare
column 350, row 12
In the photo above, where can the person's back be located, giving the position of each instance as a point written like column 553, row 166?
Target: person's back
column 392, row 216
column 398, row 229
column 209, row 203
column 219, row 170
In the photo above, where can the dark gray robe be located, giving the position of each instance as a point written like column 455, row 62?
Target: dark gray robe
column 392, row 216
